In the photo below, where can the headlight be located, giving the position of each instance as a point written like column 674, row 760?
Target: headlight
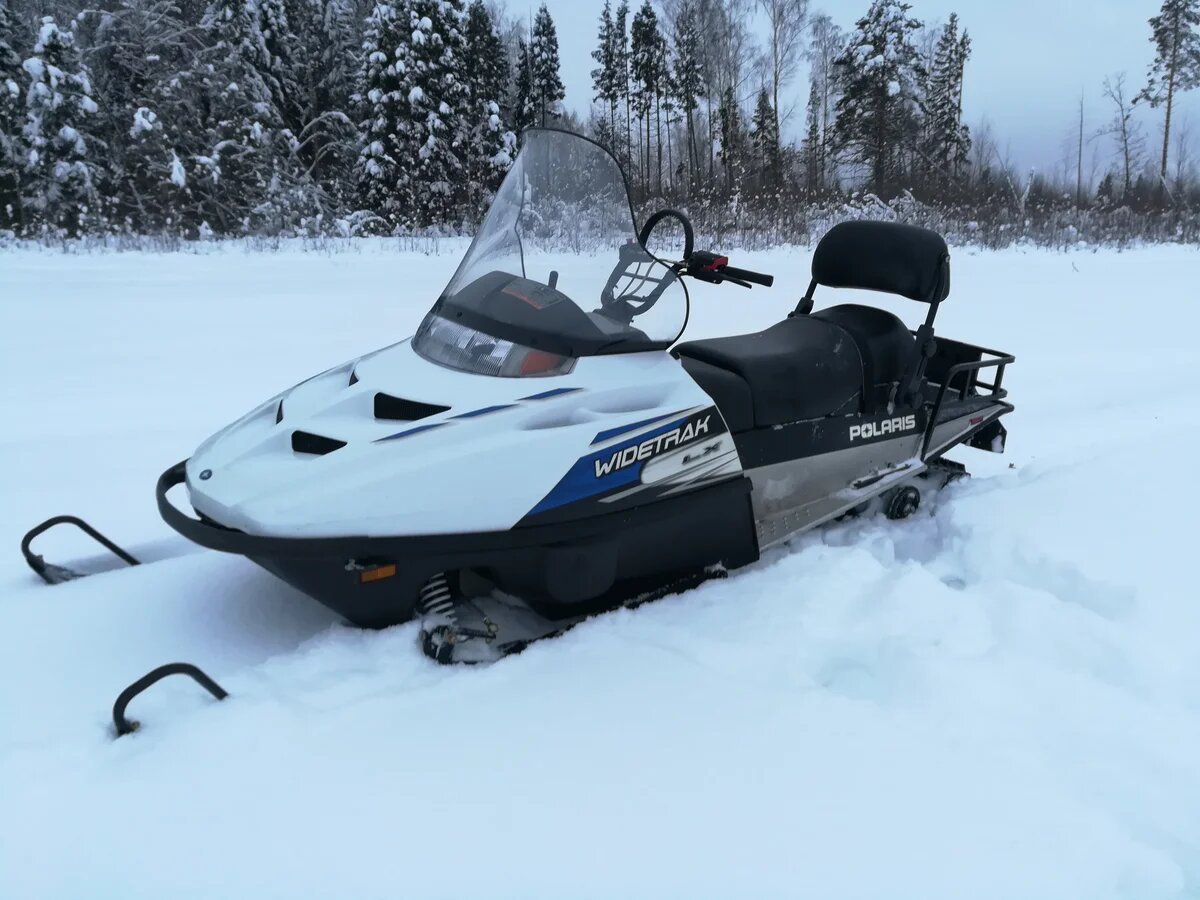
column 456, row 346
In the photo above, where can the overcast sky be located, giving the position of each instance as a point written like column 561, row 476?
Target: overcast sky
column 1031, row 59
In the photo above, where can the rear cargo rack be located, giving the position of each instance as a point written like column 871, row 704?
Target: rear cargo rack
column 956, row 360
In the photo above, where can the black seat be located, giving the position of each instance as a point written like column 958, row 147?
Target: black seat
column 801, row 368
column 884, row 342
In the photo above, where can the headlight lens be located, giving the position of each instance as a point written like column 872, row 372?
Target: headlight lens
column 456, row 346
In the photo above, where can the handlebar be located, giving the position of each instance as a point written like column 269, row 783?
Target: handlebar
column 713, row 268
column 747, row 275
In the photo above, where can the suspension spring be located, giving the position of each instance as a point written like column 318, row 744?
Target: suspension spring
column 436, row 598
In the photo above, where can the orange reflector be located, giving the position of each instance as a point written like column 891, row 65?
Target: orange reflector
column 377, row 574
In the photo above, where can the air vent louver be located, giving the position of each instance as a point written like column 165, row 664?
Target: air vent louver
column 304, row 442
column 397, row 409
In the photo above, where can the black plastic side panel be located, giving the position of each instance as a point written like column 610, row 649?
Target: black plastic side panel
column 587, row 569
column 796, row 440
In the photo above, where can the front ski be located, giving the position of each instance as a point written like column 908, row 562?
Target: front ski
column 56, row 574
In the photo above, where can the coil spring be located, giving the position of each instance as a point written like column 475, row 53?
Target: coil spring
column 437, row 599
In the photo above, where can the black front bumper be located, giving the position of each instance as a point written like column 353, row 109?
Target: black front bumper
column 562, row 569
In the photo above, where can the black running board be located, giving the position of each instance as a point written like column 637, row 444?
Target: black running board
column 56, row 574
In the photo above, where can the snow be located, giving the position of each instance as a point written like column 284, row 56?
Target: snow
column 998, row 698
column 35, row 68
column 144, row 120
column 178, row 174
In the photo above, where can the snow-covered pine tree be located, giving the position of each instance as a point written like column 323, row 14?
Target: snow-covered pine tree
column 490, row 146
column 1175, row 33
column 313, row 53
column 604, row 76
column 12, row 116
column 62, row 172
column 140, row 51
column 433, row 134
column 241, row 173
column 382, row 97
column 689, row 79
column 948, row 140
column 525, row 107
column 547, row 84
column 766, row 142
column 880, row 73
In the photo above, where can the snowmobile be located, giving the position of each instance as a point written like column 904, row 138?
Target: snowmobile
column 543, row 448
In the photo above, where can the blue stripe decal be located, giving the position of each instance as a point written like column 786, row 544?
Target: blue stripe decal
column 546, row 395
column 410, row 432
column 581, row 482
column 613, row 432
column 483, row 412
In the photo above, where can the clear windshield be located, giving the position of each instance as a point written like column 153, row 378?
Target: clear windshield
column 557, row 265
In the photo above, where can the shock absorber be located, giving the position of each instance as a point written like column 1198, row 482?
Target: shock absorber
column 436, row 598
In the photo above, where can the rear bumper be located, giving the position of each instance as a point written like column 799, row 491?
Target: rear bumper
column 563, row 569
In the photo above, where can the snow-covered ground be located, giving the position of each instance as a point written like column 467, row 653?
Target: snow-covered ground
column 997, row 699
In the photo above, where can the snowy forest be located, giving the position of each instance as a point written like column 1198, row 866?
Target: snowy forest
column 203, row 118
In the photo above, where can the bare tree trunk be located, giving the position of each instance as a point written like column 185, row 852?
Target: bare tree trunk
column 1171, row 75
column 712, row 156
column 658, row 135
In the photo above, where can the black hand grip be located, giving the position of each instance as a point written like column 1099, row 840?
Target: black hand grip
column 747, row 275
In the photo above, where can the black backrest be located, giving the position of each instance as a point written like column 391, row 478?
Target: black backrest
column 884, row 256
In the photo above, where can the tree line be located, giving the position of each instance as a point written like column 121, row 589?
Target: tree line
column 284, row 117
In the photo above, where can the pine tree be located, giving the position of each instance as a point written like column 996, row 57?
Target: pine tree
column 689, row 78
column 525, row 105
column 732, row 139
column 141, row 52
column 489, row 144
column 878, row 114
column 811, row 150
column 382, row 182
column 766, row 141
column 604, row 76
column 646, row 68
column 547, row 84
column 314, row 80
column 1176, row 67
column 948, row 140
column 237, row 175
column 63, row 176
column 620, row 45
column 12, row 144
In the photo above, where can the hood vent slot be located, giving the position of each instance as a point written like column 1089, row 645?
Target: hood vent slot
column 304, row 442
column 397, row 409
